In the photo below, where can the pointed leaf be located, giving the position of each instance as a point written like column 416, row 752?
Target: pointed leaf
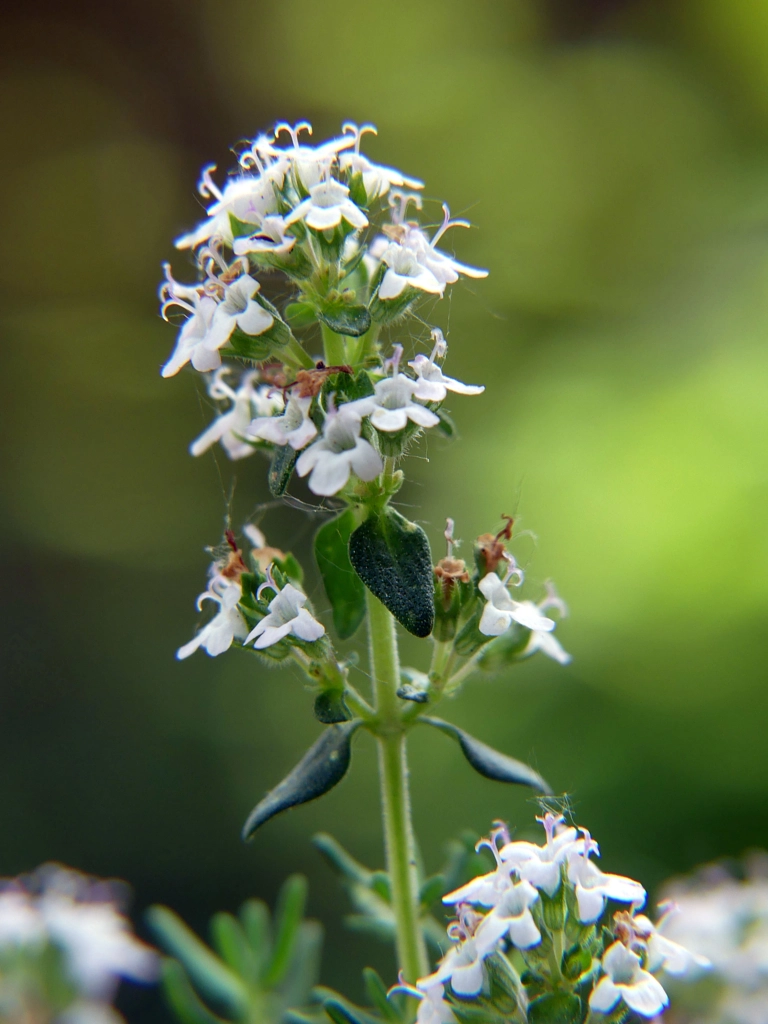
column 232, row 946
column 322, row 767
column 281, row 469
column 254, row 915
column 340, row 860
column 305, row 966
column 351, row 321
column 343, row 586
column 377, row 993
column 392, row 557
column 489, row 762
column 288, row 917
column 183, row 999
column 209, row 974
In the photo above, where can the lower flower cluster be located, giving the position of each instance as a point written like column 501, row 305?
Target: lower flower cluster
column 64, row 945
column 548, row 936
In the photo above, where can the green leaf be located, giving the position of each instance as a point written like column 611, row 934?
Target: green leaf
column 305, row 967
column 330, row 708
column 288, row 916
column 343, row 586
column 231, row 944
column 340, row 860
column 377, row 993
column 351, row 321
column 392, row 557
column 254, row 915
column 323, row 766
column 299, row 314
column 256, row 347
column 446, row 426
column 385, row 311
column 432, row 889
column 208, row 973
column 489, row 762
column 281, row 469
column 555, row 1008
column 183, row 999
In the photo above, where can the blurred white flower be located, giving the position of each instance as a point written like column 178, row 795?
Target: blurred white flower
column 294, row 427
column 231, row 427
column 511, row 918
column 20, row 921
column 287, row 614
column 270, row 238
column 376, row 179
column 501, row 610
column 238, row 308
column 624, row 979
column 227, row 625
column 249, row 198
column 541, row 865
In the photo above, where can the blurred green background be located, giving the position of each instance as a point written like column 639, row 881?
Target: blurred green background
column 613, row 158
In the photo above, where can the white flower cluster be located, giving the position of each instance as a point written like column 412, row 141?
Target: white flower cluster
column 503, row 910
column 258, row 413
column 79, row 917
column 725, row 920
column 285, row 614
column 502, row 610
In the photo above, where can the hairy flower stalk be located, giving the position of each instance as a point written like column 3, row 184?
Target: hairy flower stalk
column 308, row 256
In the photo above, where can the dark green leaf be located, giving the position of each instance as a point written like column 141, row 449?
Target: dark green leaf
column 330, row 707
column 322, row 767
column 281, row 469
column 343, row 586
column 489, row 762
column 208, row 973
column 182, row 997
column 392, row 557
column 340, row 860
column 385, row 311
column 555, row 1008
column 342, row 1012
column 351, row 321
column 288, row 916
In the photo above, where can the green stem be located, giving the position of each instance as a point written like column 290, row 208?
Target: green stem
column 294, row 354
column 334, row 347
column 395, row 796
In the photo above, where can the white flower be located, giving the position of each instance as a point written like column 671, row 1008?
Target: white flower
column 20, row 920
column 294, row 427
column 270, row 238
column 444, row 267
column 309, row 165
column 238, row 308
column 97, row 943
column 230, row 427
column 594, row 887
column 433, row 385
column 544, row 641
column 248, row 198
column 625, row 980
column 227, row 625
column 663, row 953
column 339, row 452
column 376, row 179
column 392, row 405
column 286, row 615
column 433, row 1009
column 463, row 967
column 189, row 344
column 540, row 865
column 405, row 271
column 488, row 890
column 501, row 610
column 510, row 917
column 328, row 204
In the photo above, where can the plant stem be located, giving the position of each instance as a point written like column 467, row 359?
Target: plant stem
column 395, row 796
column 294, row 354
column 334, row 347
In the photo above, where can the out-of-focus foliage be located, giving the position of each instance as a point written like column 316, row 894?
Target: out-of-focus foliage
column 614, row 159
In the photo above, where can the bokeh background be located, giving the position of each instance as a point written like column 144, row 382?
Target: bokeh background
column 613, row 157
